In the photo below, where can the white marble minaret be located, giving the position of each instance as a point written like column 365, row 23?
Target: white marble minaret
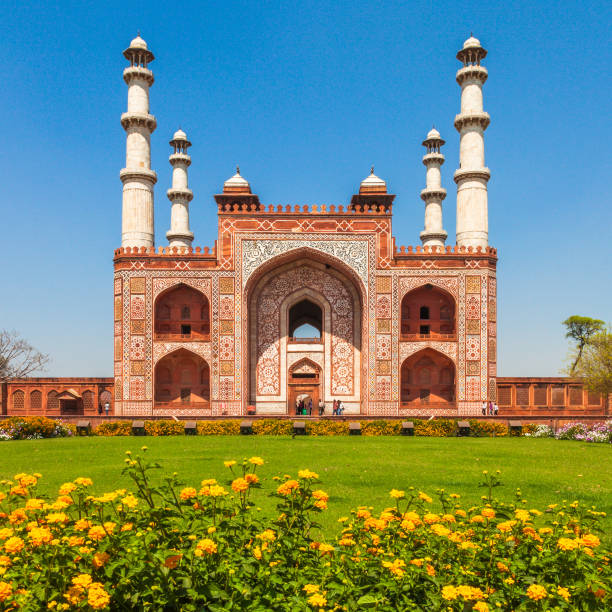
column 137, row 177
column 434, row 193
column 180, row 195
column 472, row 175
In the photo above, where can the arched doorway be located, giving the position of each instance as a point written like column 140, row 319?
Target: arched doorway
column 428, row 313
column 427, row 379
column 182, row 313
column 182, row 379
column 304, row 305
column 304, row 383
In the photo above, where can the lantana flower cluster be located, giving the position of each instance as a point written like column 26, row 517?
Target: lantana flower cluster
column 205, row 546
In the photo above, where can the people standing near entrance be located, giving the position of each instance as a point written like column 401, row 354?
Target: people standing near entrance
column 321, row 407
column 310, row 407
column 335, row 408
column 340, row 407
column 107, row 408
column 491, row 408
column 484, row 408
column 495, row 409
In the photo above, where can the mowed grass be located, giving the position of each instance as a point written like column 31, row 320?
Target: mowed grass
column 353, row 470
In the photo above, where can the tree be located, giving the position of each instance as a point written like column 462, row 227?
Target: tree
column 18, row 358
column 595, row 367
column 581, row 329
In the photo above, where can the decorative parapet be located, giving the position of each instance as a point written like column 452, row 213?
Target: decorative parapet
column 229, row 205
column 419, row 251
column 197, row 252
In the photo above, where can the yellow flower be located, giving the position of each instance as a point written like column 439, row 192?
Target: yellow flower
column 346, row 541
column 127, row 527
column 449, row 592
column 567, row 544
column 468, row 592
column 506, row 526
column 590, row 540
column 5, row 532
column 188, row 493
column 5, row 590
column 57, row 517
column 5, row 561
column 310, row 588
column 430, row 519
column 205, row 546
column 76, row 541
column 256, row 461
column 536, row 592
column 363, row 513
column 251, row 478
column 440, row 530
column 395, row 494
column 97, row 597
column 417, row 562
column 395, row 567
column 322, row 495
column 326, row 548
column 448, row 518
column 407, row 525
column 84, row 482
column 522, row 515
column 229, row 464
column 267, row 536
column 288, row 487
column 26, row 480
column 307, row 474
column 39, row 536
column 563, row 592
column 431, row 570
column 424, row 497
column 502, row 567
column 100, row 559
column 67, row 488
column 34, row 504
column 239, row 485
column 257, row 553
column 82, row 580
column 321, row 504
column 96, row 533
column 208, row 482
column 480, row 606
column 477, row 519
column 317, row 600
column 488, row 513
column 13, row 545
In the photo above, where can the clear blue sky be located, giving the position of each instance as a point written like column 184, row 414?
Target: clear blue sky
column 304, row 97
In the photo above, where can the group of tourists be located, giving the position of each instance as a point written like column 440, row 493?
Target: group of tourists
column 303, row 407
column 491, row 409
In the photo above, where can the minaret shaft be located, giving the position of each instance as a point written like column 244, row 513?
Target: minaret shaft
column 472, row 176
column 180, row 195
column 138, row 226
column 433, row 235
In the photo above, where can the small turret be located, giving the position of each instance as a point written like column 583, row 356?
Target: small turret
column 434, row 193
column 180, row 195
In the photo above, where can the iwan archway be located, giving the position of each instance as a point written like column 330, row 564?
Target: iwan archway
column 323, row 296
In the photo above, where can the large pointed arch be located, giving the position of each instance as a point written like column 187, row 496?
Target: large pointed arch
column 338, row 274
column 427, row 378
column 181, row 313
column 182, row 379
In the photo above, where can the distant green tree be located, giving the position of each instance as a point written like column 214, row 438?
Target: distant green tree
column 581, row 329
column 595, row 366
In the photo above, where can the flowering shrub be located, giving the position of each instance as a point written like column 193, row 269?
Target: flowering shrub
column 381, row 428
column 598, row 432
column 437, row 427
column 539, row 431
column 114, row 428
column 164, row 428
column 327, row 428
column 272, row 427
column 488, row 428
column 218, row 428
column 34, row 428
column 206, row 547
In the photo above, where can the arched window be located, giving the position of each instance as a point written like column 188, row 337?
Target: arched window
column 182, row 313
column 427, row 312
column 36, row 401
column 182, row 377
column 427, row 377
column 305, row 321
column 52, row 401
column 19, row 401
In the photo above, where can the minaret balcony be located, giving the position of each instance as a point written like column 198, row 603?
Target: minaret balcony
column 465, row 174
column 180, row 158
column 178, row 194
column 138, row 119
column 464, row 120
column 475, row 72
column 429, row 194
column 138, row 174
column 431, row 158
column 138, row 72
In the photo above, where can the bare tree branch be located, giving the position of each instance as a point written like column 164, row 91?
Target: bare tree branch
column 18, row 358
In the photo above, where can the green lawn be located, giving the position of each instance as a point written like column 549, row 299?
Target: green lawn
column 354, row 470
